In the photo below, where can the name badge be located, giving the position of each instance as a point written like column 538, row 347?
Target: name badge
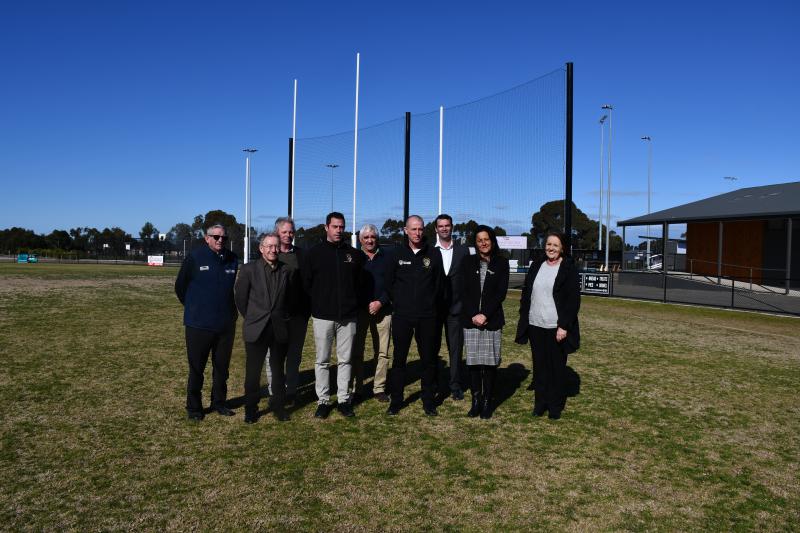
column 401, row 262
column 202, row 268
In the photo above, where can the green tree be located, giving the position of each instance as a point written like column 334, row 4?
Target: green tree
column 59, row 239
column 551, row 216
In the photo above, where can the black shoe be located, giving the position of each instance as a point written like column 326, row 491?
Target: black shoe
column 280, row 415
column 486, row 410
column 224, row 411
column 323, row 410
column 382, row 397
column 539, row 409
column 554, row 415
column 346, row 409
column 195, row 416
column 291, row 399
column 393, row 410
column 475, row 410
column 430, row 410
column 457, row 394
column 250, row 418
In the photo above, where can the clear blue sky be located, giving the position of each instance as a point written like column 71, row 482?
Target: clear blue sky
column 117, row 113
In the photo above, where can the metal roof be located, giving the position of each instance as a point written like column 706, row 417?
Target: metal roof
column 768, row 201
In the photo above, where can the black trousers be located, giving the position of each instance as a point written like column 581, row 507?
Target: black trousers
column 454, row 336
column 199, row 343
column 482, row 378
column 549, row 368
column 423, row 330
column 255, row 353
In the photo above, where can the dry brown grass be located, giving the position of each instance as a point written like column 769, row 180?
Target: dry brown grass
column 686, row 419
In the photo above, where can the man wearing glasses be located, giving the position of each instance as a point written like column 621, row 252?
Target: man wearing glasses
column 205, row 288
column 261, row 294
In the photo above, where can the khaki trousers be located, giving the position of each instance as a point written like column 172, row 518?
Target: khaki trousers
column 380, row 329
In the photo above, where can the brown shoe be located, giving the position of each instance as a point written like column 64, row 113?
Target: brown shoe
column 382, row 397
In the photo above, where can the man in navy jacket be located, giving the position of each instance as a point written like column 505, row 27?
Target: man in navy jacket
column 205, row 288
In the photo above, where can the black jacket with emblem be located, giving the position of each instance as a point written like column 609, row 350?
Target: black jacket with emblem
column 332, row 276
column 416, row 282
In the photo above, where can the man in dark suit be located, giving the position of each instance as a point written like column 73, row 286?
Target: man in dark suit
column 452, row 255
column 205, row 288
column 260, row 294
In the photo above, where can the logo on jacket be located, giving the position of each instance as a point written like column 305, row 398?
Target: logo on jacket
column 204, row 267
column 426, row 262
column 348, row 258
column 401, row 262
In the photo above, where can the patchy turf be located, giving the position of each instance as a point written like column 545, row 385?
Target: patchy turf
column 684, row 419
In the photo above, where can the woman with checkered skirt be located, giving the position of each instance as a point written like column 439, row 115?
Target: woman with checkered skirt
column 484, row 286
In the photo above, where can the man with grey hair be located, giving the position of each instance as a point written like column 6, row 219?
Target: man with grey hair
column 261, row 292
column 205, row 288
column 298, row 307
column 374, row 314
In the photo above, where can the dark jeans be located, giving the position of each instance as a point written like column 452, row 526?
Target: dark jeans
column 454, row 336
column 199, row 343
column 423, row 330
column 549, row 368
column 254, row 363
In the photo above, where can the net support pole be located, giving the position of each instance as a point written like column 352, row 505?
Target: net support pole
column 664, row 237
column 568, row 163
column 354, row 238
column 407, row 169
column 441, row 139
column 290, row 206
column 292, row 152
column 719, row 254
column 788, row 254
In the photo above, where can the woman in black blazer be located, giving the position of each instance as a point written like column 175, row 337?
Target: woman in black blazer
column 484, row 283
column 548, row 319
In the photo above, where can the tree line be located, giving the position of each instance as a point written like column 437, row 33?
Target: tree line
column 113, row 241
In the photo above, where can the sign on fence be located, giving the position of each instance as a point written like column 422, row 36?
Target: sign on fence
column 506, row 242
column 592, row 283
column 155, row 260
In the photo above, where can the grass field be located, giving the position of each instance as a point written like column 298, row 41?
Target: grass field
column 686, row 419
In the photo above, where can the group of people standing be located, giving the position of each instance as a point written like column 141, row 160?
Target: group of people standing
column 417, row 291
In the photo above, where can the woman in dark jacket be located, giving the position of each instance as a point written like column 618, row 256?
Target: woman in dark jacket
column 484, row 283
column 548, row 319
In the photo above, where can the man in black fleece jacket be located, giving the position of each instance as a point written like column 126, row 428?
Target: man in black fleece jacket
column 415, row 282
column 331, row 274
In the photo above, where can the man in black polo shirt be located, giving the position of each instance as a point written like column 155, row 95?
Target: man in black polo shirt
column 415, row 283
column 205, row 288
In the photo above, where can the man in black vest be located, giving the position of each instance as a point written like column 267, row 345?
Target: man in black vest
column 205, row 288
column 415, row 282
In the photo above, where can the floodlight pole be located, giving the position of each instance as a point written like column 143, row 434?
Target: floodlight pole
column 609, row 108
column 649, row 188
column 600, row 195
column 249, row 152
column 332, row 166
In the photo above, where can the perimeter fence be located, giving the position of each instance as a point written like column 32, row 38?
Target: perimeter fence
column 496, row 161
column 767, row 292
